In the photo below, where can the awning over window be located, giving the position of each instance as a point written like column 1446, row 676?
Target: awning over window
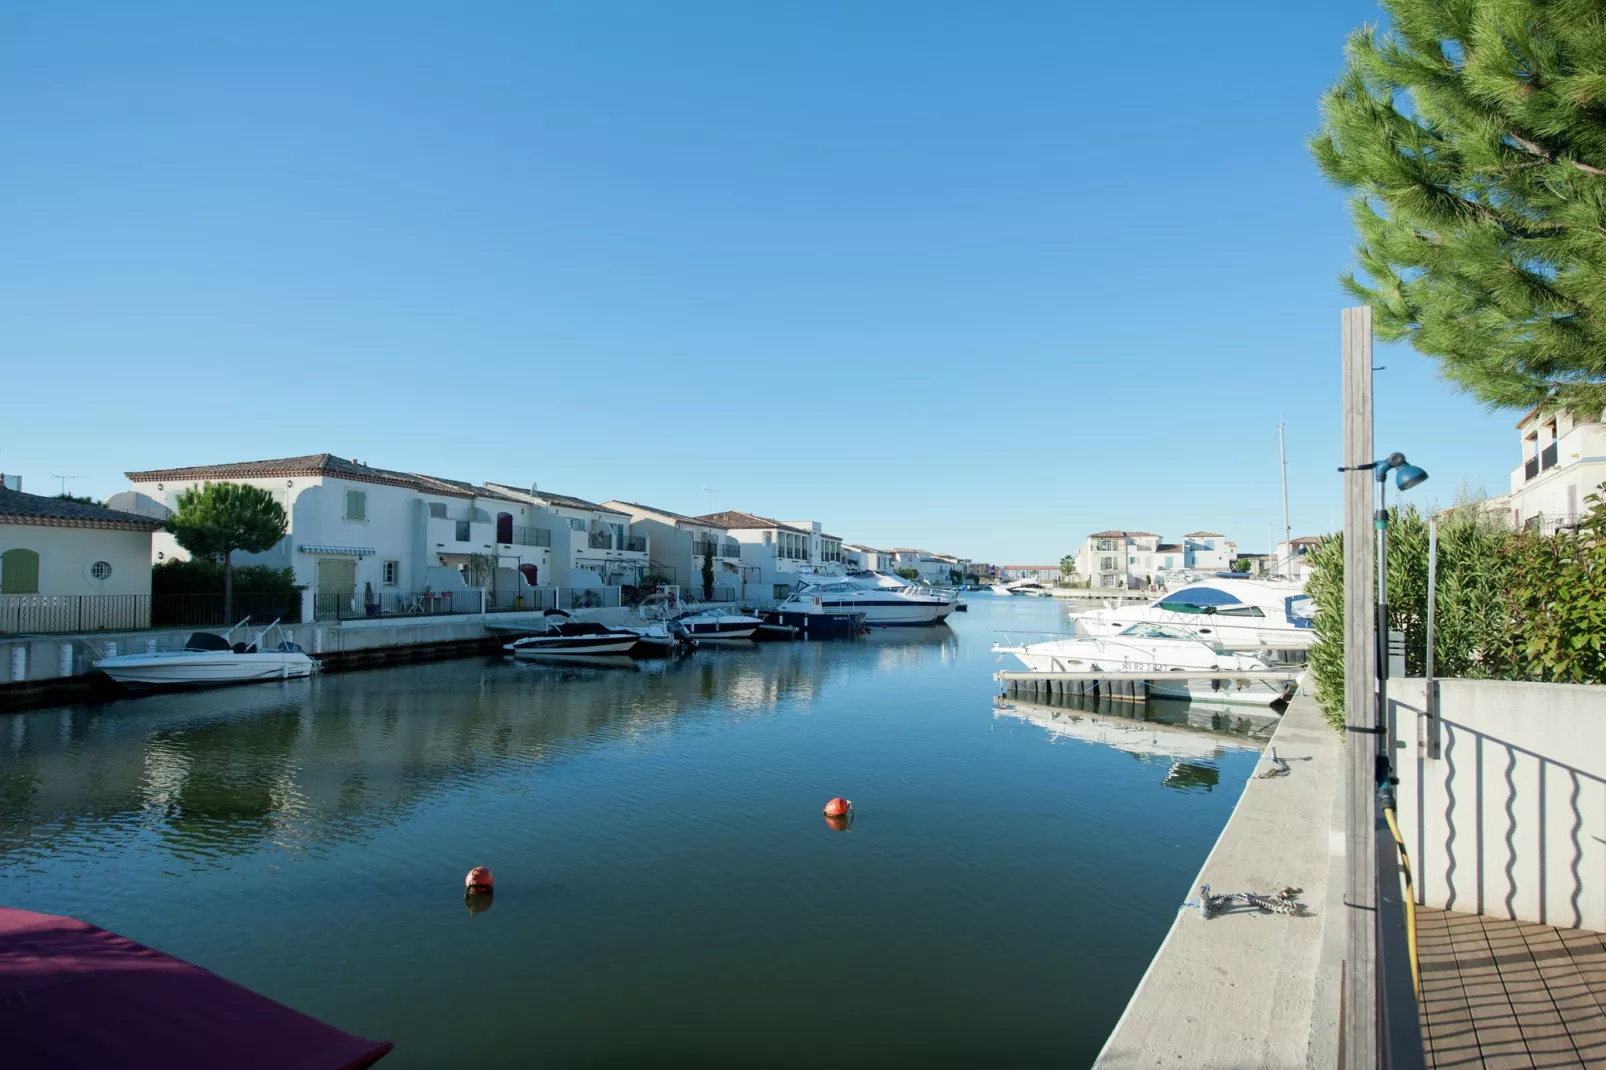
column 337, row 551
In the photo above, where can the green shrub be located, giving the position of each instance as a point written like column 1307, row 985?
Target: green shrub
column 205, row 576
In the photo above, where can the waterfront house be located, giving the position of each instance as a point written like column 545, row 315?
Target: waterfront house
column 604, row 551
column 66, row 563
column 1291, row 557
column 1563, row 463
column 1040, row 573
column 778, row 552
column 825, row 551
column 1206, row 551
column 680, row 544
column 1122, row 559
column 360, row 535
column 858, row 556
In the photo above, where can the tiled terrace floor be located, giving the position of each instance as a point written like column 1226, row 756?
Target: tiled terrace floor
column 1505, row 994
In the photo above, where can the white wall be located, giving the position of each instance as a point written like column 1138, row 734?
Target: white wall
column 1510, row 820
column 65, row 555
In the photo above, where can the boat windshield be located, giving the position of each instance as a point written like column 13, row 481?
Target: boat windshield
column 1157, row 631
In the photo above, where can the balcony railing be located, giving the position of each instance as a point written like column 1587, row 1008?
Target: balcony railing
column 705, row 549
column 600, row 540
column 530, row 537
column 589, row 598
column 636, row 544
column 1530, row 468
column 1547, row 458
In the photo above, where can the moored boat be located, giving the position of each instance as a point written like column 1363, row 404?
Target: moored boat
column 566, row 636
column 885, row 600
column 209, row 659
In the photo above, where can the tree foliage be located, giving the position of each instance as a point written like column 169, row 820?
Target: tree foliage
column 909, row 573
column 1473, row 141
column 1509, row 605
column 708, row 577
column 1068, row 566
column 219, row 518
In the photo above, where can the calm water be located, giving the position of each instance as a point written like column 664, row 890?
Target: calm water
column 667, row 890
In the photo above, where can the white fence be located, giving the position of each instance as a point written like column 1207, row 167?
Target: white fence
column 1510, row 819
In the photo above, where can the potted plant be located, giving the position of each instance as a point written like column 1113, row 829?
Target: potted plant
column 370, row 603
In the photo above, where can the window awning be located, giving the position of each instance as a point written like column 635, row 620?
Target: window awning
column 337, row 551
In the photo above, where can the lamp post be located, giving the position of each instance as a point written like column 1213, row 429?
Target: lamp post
column 1406, row 476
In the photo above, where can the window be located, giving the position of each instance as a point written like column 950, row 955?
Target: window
column 463, row 533
column 392, row 573
column 19, row 572
column 100, row 571
column 1240, row 611
column 781, row 590
column 1109, row 564
column 437, row 510
column 766, row 538
column 576, row 525
column 356, row 505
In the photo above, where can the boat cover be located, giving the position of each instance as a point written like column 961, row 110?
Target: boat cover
column 75, row 995
column 206, row 641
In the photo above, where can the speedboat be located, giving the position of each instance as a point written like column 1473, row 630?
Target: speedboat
column 566, row 636
column 1230, row 613
column 715, row 624
column 661, row 638
column 1158, row 649
column 209, row 658
column 884, row 600
column 1027, row 587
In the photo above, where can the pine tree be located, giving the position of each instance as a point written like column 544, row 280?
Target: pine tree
column 220, row 518
column 1473, row 141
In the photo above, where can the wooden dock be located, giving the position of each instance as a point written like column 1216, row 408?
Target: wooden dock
column 1127, row 686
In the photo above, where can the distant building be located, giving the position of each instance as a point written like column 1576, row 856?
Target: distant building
column 857, row 556
column 1290, row 558
column 1041, row 573
column 1120, row 559
column 778, row 552
column 680, row 544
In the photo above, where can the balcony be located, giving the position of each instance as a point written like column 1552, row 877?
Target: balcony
column 449, row 536
column 600, row 540
column 636, row 544
column 1547, row 457
column 1530, row 468
column 529, row 537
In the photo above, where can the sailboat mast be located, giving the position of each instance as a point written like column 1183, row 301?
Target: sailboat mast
column 1282, row 453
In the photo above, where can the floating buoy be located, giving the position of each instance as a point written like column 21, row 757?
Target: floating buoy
column 478, row 881
column 838, row 807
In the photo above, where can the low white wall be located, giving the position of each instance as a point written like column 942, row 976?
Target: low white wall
column 1510, row 820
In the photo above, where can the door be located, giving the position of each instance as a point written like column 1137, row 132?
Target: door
column 337, row 585
column 19, row 572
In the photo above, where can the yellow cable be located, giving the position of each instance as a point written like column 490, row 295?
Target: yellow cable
column 1410, row 902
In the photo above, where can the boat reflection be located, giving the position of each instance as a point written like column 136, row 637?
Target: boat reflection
column 1187, row 738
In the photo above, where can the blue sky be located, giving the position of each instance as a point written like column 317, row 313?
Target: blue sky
column 976, row 277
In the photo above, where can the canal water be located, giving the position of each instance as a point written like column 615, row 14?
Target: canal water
column 667, row 890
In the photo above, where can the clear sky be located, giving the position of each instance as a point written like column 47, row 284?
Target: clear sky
column 976, row 277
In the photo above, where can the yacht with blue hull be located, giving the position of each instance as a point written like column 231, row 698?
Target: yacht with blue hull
column 885, row 600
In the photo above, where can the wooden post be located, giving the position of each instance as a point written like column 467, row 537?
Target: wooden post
column 1361, row 1040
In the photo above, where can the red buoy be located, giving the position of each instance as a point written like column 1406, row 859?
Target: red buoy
column 478, row 881
column 838, row 807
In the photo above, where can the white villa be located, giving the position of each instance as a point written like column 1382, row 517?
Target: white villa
column 775, row 551
column 681, row 543
column 866, row 557
column 1563, row 463
column 603, row 549
column 52, row 549
column 1135, row 559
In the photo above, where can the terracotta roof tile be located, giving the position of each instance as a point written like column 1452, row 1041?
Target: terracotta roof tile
column 19, row 507
column 735, row 520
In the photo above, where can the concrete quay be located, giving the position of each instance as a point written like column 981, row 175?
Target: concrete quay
column 1245, row 988
column 39, row 670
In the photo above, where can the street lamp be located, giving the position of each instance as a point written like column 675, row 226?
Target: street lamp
column 1406, row 476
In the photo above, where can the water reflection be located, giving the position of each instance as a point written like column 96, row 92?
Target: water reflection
column 1188, row 738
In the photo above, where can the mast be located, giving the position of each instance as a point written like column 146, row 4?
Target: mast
column 1282, row 453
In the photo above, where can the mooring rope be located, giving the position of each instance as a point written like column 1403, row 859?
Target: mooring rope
column 1281, row 769
column 1284, row 902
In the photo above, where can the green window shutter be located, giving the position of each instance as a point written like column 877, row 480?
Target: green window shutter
column 19, row 572
column 356, row 505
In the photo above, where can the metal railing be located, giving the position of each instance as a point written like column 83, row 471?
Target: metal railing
column 589, row 598
column 1548, row 457
column 398, row 604
column 1551, row 525
column 694, row 594
column 522, row 536
column 23, row 614
column 636, row 544
column 1530, row 468
column 526, row 598
column 600, row 540
column 207, row 610
column 705, row 549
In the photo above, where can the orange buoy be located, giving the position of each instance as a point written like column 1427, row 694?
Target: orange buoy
column 478, row 881
column 838, row 807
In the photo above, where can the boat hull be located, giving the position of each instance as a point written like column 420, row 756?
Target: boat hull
column 575, row 646
column 205, row 670
column 819, row 624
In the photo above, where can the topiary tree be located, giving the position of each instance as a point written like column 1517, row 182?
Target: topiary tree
column 217, row 519
column 708, row 577
column 1473, row 141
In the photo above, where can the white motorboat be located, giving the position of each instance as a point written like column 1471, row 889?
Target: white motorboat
column 566, row 636
column 716, row 624
column 1230, row 613
column 209, row 659
column 1157, row 649
column 1030, row 588
column 884, row 600
column 661, row 638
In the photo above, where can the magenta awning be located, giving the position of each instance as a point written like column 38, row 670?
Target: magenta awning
column 75, row 995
